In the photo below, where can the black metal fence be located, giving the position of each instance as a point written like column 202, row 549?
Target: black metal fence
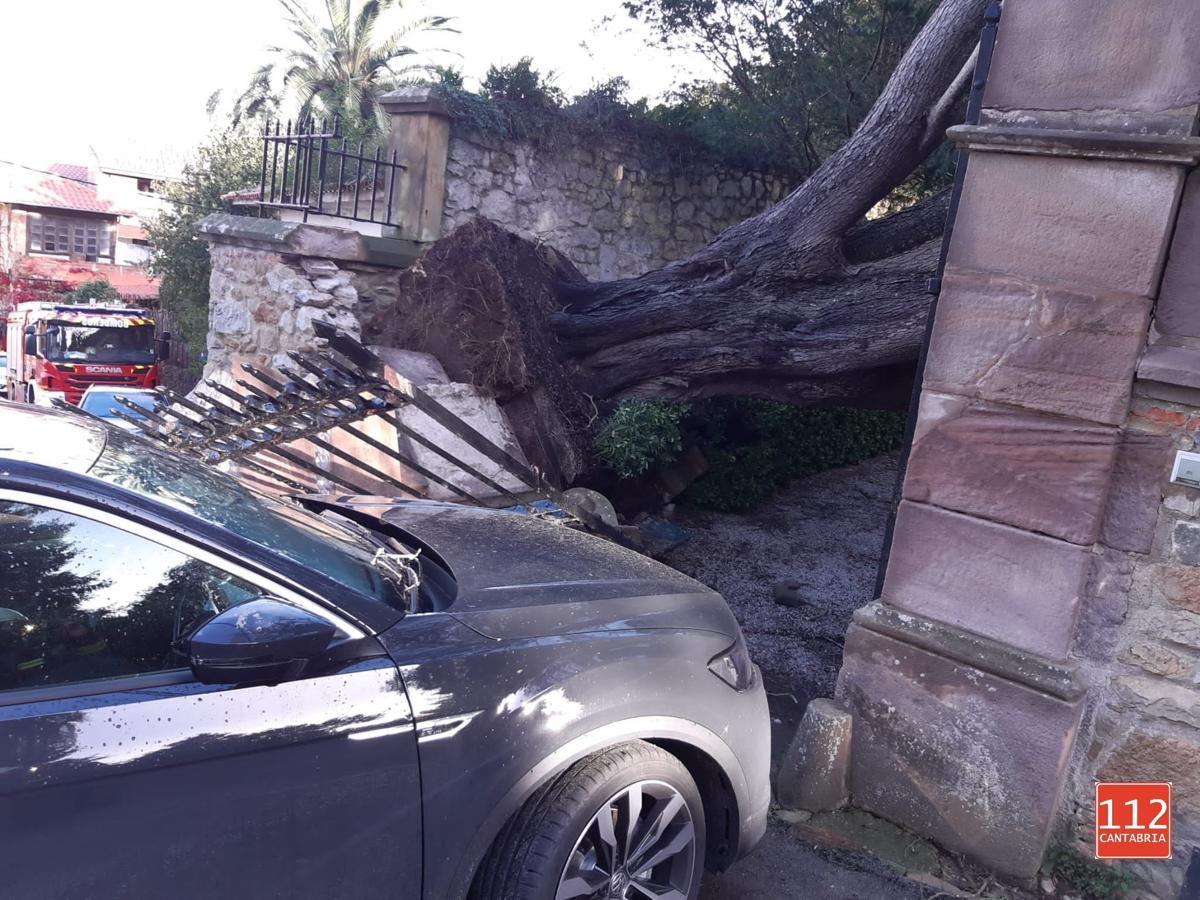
column 276, row 427
column 316, row 171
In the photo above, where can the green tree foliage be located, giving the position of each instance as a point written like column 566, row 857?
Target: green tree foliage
column 641, row 435
column 228, row 161
column 98, row 290
column 753, row 446
column 522, row 83
column 800, row 75
column 341, row 57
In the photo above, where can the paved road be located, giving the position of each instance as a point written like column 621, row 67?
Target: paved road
column 785, row 868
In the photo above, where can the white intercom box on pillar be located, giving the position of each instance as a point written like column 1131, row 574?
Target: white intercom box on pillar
column 1187, row 469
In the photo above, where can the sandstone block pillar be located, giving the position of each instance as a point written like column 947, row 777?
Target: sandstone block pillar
column 420, row 138
column 960, row 679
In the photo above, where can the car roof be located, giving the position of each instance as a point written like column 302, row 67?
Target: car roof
column 34, row 434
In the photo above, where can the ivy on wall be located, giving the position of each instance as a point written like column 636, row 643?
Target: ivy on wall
column 518, row 103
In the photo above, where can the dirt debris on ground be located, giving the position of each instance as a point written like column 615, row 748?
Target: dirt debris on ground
column 824, row 532
column 824, row 535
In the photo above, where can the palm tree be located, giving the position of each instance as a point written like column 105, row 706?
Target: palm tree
column 342, row 59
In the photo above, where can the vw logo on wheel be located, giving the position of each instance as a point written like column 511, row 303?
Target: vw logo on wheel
column 619, row 884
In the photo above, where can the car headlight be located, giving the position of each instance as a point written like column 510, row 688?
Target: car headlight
column 733, row 666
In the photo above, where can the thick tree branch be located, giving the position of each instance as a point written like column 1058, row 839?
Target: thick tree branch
column 801, row 236
column 898, row 232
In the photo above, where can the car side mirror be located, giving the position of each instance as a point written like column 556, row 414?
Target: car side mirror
column 30, row 341
column 164, row 346
column 261, row 640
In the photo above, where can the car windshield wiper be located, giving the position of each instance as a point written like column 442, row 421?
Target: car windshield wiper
column 399, row 566
column 403, row 570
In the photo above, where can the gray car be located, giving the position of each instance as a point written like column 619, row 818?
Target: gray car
column 206, row 692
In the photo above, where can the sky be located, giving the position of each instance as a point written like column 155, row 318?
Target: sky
column 138, row 72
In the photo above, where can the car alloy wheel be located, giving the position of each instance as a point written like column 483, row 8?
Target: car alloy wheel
column 640, row 845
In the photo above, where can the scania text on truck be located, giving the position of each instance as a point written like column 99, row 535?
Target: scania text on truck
column 59, row 351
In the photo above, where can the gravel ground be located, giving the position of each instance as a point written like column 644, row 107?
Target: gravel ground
column 825, row 532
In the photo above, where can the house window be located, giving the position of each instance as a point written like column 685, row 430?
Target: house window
column 67, row 236
column 144, row 185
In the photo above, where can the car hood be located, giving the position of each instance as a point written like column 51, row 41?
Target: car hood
column 519, row 575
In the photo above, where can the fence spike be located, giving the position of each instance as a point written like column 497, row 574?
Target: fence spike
column 388, row 214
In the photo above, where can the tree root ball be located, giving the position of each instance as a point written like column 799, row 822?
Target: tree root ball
column 479, row 300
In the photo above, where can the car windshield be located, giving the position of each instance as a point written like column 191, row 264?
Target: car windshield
column 101, row 403
column 341, row 553
column 66, row 342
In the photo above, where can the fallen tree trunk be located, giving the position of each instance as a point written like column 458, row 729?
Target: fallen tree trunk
column 846, row 336
column 805, row 302
column 796, row 302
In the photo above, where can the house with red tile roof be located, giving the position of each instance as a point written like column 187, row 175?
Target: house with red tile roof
column 69, row 224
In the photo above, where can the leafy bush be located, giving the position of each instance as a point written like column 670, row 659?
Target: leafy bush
column 448, row 76
column 738, row 478
column 607, row 104
column 755, row 446
column 518, row 102
column 641, row 435
column 1077, row 873
column 98, row 290
column 522, row 83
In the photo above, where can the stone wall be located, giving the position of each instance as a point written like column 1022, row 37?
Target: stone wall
column 614, row 205
column 1138, row 639
column 262, row 303
column 270, row 282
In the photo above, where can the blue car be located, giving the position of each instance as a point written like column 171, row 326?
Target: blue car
column 100, row 401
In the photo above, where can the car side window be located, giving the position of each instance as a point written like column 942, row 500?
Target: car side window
column 81, row 600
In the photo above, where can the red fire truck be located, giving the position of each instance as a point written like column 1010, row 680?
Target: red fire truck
column 59, row 350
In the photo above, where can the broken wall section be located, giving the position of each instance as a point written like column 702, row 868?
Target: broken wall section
column 270, row 282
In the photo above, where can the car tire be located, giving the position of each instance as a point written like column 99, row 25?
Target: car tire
column 554, row 845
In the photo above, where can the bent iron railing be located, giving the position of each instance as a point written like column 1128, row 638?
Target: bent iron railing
column 321, row 401
column 306, row 170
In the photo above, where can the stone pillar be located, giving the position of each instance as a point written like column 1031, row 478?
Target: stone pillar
column 965, row 694
column 420, row 139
